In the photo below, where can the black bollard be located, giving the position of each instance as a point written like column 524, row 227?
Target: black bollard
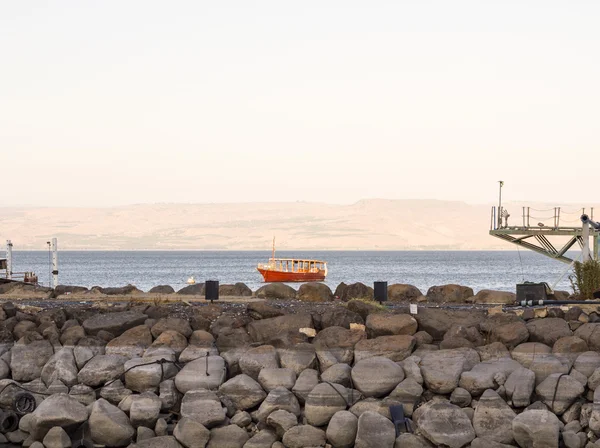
column 380, row 291
column 211, row 290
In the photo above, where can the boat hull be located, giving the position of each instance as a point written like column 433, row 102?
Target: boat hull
column 271, row 276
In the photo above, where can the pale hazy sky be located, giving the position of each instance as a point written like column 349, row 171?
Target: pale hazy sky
column 120, row 102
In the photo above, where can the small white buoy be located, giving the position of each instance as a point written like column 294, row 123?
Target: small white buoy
column 191, row 280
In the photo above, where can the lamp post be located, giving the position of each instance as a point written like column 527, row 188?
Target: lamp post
column 501, row 183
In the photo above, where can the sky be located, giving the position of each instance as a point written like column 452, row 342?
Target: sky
column 125, row 102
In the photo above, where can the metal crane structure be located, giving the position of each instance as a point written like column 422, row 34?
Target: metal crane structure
column 539, row 235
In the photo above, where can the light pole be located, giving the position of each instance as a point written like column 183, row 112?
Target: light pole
column 49, row 264
column 500, row 204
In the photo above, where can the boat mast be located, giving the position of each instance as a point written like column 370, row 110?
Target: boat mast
column 273, row 253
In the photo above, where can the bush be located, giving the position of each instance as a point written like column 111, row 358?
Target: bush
column 586, row 278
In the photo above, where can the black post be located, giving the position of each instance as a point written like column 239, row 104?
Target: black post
column 211, row 290
column 380, row 291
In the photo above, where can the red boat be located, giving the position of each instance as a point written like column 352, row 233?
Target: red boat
column 292, row 269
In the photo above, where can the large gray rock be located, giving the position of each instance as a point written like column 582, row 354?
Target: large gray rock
column 341, row 430
column 265, row 330
column 323, row 402
column 304, row 436
column 403, row 293
column 559, row 391
column 244, row 391
column 270, row 378
column 101, row 369
column 276, row 291
column 191, row 434
column 510, row 334
column 449, row 294
column 493, row 418
column 437, row 321
column 546, row 365
column 61, row 366
column 548, row 330
column 408, row 392
column 445, row 425
column 338, row 373
column 115, row 323
column 442, row 369
column 109, row 425
column 314, row 292
column 144, row 409
column 298, row 357
column 519, row 387
column 336, row 344
column 131, row 344
column 28, row 360
column 258, row 358
column 281, row 421
column 388, row 375
column 230, row 436
column 264, row 438
column 305, row 383
column 536, row 429
column 158, row 442
column 396, row 348
column 374, row 430
column 203, row 407
column 202, row 373
column 179, row 325
column 279, row 398
column 87, row 348
column 495, row 297
column 142, row 375
column 408, row 440
column 487, row 375
column 587, row 362
column 57, row 410
column 383, row 324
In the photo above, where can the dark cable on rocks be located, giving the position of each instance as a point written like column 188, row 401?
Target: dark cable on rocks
column 206, row 358
column 556, row 389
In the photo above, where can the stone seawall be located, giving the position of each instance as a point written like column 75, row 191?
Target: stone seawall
column 292, row 373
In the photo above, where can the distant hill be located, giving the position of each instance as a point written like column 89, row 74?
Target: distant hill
column 373, row 224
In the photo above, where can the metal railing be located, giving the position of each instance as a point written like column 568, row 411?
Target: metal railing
column 553, row 218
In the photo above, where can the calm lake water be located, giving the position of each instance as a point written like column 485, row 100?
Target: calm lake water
column 145, row 269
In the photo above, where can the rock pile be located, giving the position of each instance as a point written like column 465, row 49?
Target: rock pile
column 255, row 377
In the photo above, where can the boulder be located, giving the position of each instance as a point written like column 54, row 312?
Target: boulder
column 179, row 325
column 449, row 294
column 281, row 421
column 55, row 438
column 437, row 321
column 298, row 357
column 338, row 373
column 570, row 346
column 115, row 323
column 192, row 290
column 68, row 289
column 314, row 292
column 519, row 386
column 487, row 375
column 271, row 378
column 231, row 436
column 208, row 372
column 109, row 425
column 262, row 439
column 587, row 362
column 143, row 375
column 445, row 425
column 191, row 434
column 132, row 343
column 265, row 330
column 244, row 391
column 237, row 290
column 144, row 409
column 61, row 366
column 323, row 402
column 390, row 324
column 336, row 344
column 536, row 429
column 87, row 348
column 510, row 334
column 174, row 341
column 408, row 393
column 27, row 360
column 158, row 442
column 396, row 348
column 305, row 383
column 364, row 307
column 57, row 410
column 403, row 293
column 338, row 316
column 101, row 369
column 304, row 436
column 495, row 297
column 162, row 289
column 341, row 430
column 263, row 310
column 493, row 418
column 389, row 375
column 442, row 369
column 120, row 290
column 353, row 291
column 276, row 291
column 548, row 330
column 374, row 430
column 203, row 407
column 558, row 391
column 590, row 334
column 279, row 398
column 258, row 358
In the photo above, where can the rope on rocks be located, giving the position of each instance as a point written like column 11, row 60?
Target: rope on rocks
column 556, row 389
column 348, row 405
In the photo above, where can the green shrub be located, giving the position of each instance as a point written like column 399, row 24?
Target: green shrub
column 586, row 278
